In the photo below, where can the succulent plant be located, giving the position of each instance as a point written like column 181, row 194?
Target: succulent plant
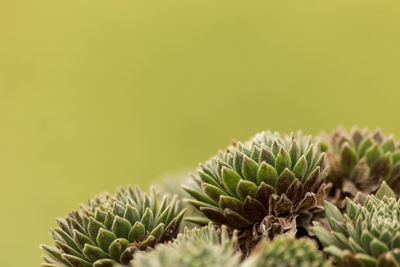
column 360, row 161
column 111, row 228
column 258, row 199
column 273, row 184
column 367, row 235
column 172, row 184
column 199, row 247
column 288, row 252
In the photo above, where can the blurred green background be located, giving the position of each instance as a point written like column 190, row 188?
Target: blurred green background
column 96, row 94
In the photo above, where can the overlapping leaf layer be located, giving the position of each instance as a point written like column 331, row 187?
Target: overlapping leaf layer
column 194, row 248
column 360, row 161
column 286, row 252
column 367, row 235
column 111, row 228
column 271, row 175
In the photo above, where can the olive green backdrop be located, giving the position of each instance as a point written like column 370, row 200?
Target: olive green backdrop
column 96, row 94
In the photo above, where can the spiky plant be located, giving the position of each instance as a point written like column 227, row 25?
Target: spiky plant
column 111, row 228
column 266, row 184
column 194, row 248
column 288, row 252
column 172, row 184
column 360, row 161
column 367, row 235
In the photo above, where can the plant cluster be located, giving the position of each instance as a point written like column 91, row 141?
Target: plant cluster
column 274, row 200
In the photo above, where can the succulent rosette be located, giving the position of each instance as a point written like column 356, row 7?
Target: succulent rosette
column 110, row 229
column 198, row 247
column 359, row 161
column 275, row 200
column 288, row 252
column 367, row 235
column 272, row 184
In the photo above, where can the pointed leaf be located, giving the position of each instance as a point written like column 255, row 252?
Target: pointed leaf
column 351, row 209
column 310, row 181
column 249, row 169
column 383, row 166
column 234, row 219
column 54, row 253
column 105, row 238
column 157, row 231
column 131, row 214
column 377, row 247
column 283, row 161
column 300, row 168
column 364, row 146
column 295, row 191
column 150, row 241
column 137, row 233
column 396, row 157
column 121, row 227
column 246, row 188
column 253, row 210
column 117, row 247
column 164, row 214
column 255, row 154
column 213, row 192
column 384, row 190
column 238, row 159
column 388, row 146
column 109, row 220
column 267, row 156
column 93, row 253
column 104, row 263
column 94, row 227
column 205, row 178
column 267, row 174
column 198, row 195
column 372, row 154
column 118, row 209
column 275, row 148
column 324, row 236
column 147, row 219
column 310, row 155
column 125, row 257
column 332, row 212
column 335, row 252
column 172, row 228
column 348, row 158
column 366, row 239
column 284, row 181
column 366, row 260
column 263, row 194
column 356, row 136
column 214, row 214
column 226, row 202
column 230, row 178
column 396, row 240
column 76, row 262
column 294, row 152
column 81, row 239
